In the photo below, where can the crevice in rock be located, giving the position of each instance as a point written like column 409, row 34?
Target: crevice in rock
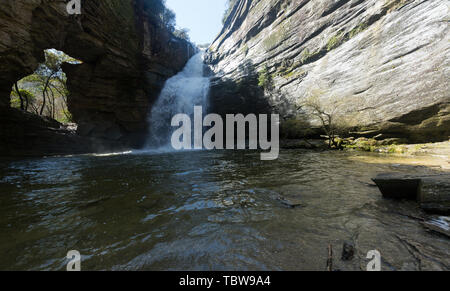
column 335, row 6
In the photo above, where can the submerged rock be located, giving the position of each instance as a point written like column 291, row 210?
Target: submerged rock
column 290, row 202
column 348, row 251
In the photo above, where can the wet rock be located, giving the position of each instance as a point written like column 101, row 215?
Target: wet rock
column 398, row 186
column 434, row 194
column 439, row 224
column 290, row 202
column 302, row 144
column 393, row 141
column 348, row 251
column 26, row 134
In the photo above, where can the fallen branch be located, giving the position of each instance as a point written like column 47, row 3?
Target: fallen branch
column 330, row 258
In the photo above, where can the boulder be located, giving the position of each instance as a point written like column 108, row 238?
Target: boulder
column 434, row 194
column 348, row 251
column 290, row 202
column 398, row 186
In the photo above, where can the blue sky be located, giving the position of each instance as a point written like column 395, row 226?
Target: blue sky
column 203, row 18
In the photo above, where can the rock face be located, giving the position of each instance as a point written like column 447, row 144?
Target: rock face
column 382, row 65
column 127, row 55
column 28, row 135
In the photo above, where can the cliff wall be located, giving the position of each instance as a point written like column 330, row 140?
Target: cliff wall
column 381, row 64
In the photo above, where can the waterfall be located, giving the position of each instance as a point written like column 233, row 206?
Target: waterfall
column 180, row 94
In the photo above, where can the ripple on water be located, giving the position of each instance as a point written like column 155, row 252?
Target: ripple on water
column 206, row 211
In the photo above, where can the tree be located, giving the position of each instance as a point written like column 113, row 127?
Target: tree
column 16, row 87
column 169, row 19
column 182, row 33
column 48, row 81
column 332, row 121
column 18, row 96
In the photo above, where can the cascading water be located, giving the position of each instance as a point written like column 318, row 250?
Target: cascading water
column 180, row 94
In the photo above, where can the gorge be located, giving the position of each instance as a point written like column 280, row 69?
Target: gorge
column 336, row 72
column 383, row 64
column 126, row 53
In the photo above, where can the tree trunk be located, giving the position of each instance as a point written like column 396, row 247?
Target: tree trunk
column 43, row 95
column 20, row 96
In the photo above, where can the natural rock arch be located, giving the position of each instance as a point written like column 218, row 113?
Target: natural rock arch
column 126, row 53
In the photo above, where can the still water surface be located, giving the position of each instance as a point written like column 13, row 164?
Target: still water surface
column 207, row 211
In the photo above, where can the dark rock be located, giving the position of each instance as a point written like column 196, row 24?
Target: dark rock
column 432, row 191
column 26, row 134
column 127, row 55
column 348, row 251
column 398, row 186
column 290, row 202
column 301, row 144
column 434, row 194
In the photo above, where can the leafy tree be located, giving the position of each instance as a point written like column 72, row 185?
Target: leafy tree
column 19, row 95
column 332, row 120
column 48, row 81
column 51, row 71
column 169, row 19
column 265, row 79
column 182, row 33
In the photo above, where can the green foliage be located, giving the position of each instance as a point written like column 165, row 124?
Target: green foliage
column 182, row 33
column 66, row 116
column 15, row 99
column 157, row 10
column 340, row 38
column 169, row 19
column 361, row 27
column 45, row 92
column 335, row 41
column 394, row 4
column 307, row 56
column 264, row 78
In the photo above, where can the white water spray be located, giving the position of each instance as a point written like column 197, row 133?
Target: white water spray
column 180, row 94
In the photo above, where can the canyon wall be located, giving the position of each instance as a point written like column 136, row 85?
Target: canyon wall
column 126, row 53
column 381, row 65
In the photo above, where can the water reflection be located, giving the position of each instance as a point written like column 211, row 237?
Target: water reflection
column 206, row 211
